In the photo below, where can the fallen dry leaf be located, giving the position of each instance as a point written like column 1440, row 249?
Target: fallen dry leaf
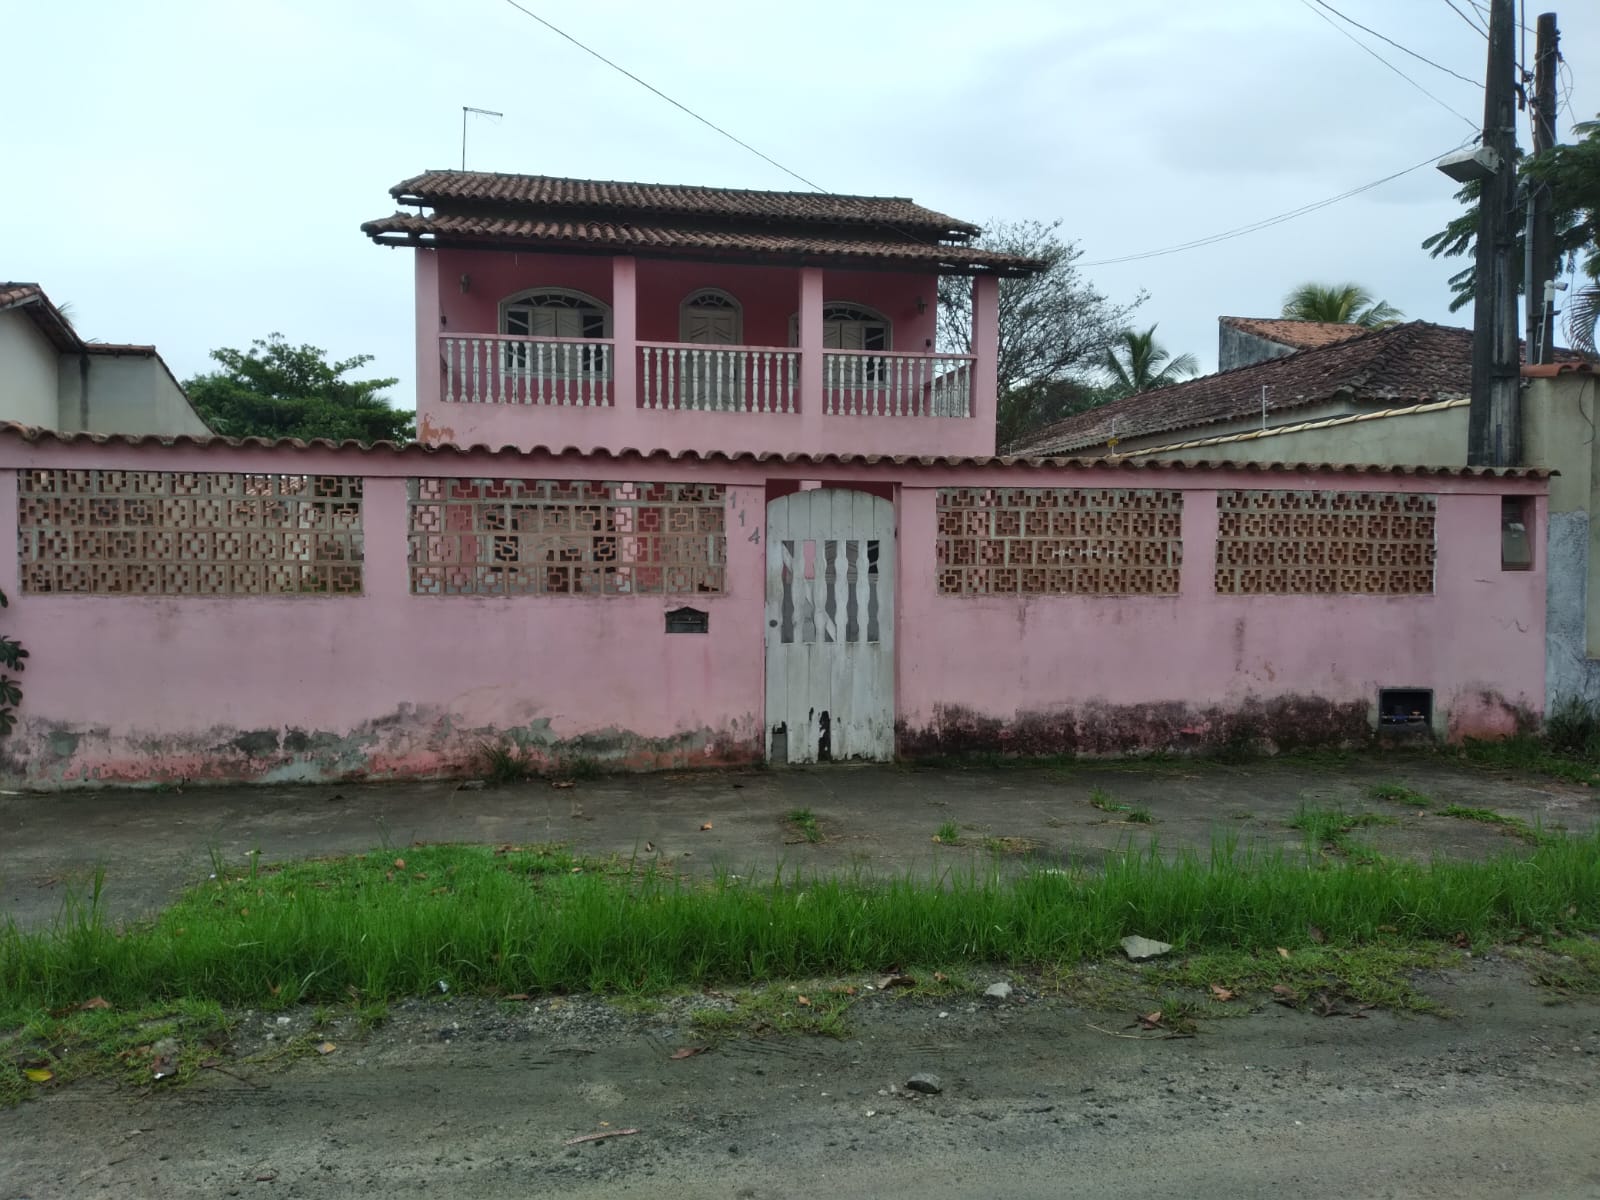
column 210, row 1064
column 940, row 977
column 893, row 981
column 162, row 1067
column 705, row 826
column 1282, row 953
column 561, row 783
column 649, row 847
column 1285, row 994
column 326, row 1047
column 96, row 1002
column 399, row 864
column 1151, row 1020
column 517, row 996
column 39, row 1074
column 688, row 1051
column 1462, row 941
column 1218, row 992
column 803, row 1001
column 1317, row 935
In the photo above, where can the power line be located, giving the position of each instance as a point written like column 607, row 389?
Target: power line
column 1268, row 222
column 1346, row 33
column 1398, row 46
column 675, row 103
column 1473, row 24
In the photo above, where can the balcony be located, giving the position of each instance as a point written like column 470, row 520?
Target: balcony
column 586, row 356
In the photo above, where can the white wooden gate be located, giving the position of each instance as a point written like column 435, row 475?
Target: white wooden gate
column 830, row 627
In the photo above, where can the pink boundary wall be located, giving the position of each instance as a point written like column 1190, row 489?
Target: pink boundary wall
column 144, row 689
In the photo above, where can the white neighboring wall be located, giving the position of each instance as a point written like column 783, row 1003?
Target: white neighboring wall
column 114, row 392
column 28, row 370
column 99, row 389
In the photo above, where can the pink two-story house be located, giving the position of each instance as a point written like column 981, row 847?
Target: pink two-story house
column 603, row 315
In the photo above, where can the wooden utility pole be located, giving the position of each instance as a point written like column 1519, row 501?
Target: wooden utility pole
column 1494, row 430
column 1540, row 335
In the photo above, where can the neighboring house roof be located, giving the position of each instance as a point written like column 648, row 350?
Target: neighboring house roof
column 478, row 210
column 1256, row 435
column 11, row 430
column 1300, row 335
column 1414, row 363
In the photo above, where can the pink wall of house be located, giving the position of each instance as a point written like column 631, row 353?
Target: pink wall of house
column 129, row 688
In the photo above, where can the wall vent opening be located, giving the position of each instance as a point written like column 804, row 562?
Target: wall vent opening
column 1405, row 708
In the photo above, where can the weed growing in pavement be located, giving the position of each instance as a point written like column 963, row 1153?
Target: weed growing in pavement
column 504, row 762
column 1101, row 799
column 948, row 834
column 1573, row 729
column 1330, row 828
column 805, row 823
column 1532, row 754
column 1399, row 793
column 1488, row 816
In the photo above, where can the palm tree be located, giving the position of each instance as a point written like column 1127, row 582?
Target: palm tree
column 1340, row 304
column 1138, row 363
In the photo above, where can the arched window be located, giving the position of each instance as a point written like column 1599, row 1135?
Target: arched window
column 710, row 317
column 554, row 312
column 849, row 327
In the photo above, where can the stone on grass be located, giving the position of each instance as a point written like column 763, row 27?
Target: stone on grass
column 998, row 991
column 1140, row 948
column 925, row 1082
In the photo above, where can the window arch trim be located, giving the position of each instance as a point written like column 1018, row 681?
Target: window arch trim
column 570, row 300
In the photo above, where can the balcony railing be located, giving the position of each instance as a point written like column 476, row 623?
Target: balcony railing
column 579, row 373
column 759, row 379
column 506, row 369
column 867, row 384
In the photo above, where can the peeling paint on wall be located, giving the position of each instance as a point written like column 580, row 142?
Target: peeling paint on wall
column 411, row 742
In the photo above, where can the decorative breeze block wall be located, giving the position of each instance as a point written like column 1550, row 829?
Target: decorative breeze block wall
column 188, row 533
column 521, row 537
column 1059, row 541
column 1325, row 543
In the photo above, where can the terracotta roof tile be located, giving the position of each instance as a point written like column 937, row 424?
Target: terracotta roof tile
column 12, row 294
column 1301, row 335
column 486, row 231
column 1414, row 363
column 545, row 192
column 12, row 431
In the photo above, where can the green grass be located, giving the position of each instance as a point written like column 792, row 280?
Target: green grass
column 1399, row 793
column 381, row 925
column 1532, row 754
column 1330, row 828
column 1570, row 964
column 948, row 834
column 796, row 1009
column 805, row 823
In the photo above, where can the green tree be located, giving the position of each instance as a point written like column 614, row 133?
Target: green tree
column 1340, row 304
column 275, row 390
column 1054, row 329
column 1138, row 363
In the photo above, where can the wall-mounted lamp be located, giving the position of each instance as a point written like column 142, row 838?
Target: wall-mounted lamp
column 466, row 284
column 922, row 306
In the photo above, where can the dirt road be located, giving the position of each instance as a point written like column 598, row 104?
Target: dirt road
column 475, row 1099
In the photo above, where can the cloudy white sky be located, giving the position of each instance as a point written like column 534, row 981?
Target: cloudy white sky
column 193, row 173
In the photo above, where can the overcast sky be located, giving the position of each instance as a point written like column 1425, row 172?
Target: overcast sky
column 193, row 174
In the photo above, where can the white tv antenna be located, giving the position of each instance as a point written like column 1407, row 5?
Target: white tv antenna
column 482, row 112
